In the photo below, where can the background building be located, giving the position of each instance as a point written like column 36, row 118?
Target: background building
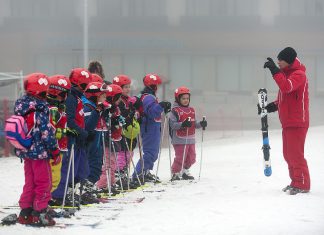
column 216, row 47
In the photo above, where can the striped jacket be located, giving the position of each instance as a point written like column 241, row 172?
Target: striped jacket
column 293, row 100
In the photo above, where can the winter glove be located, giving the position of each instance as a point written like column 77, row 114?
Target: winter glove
column 59, row 133
column 71, row 132
column 166, row 105
column 270, row 64
column 203, row 123
column 121, row 121
column 56, row 157
column 103, row 106
column 271, row 107
column 186, row 123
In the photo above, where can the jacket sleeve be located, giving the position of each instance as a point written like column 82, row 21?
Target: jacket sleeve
column 91, row 118
column 173, row 119
column 151, row 108
column 291, row 83
column 71, row 104
column 197, row 124
column 46, row 130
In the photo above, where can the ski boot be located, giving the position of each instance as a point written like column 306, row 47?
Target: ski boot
column 25, row 216
column 176, row 176
column 42, row 218
column 294, row 191
column 186, row 175
column 287, row 188
column 149, row 177
column 88, row 198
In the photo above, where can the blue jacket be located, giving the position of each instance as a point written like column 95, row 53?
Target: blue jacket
column 71, row 109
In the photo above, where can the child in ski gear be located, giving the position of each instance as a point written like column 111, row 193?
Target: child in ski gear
column 114, row 122
column 131, row 128
column 182, row 130
column 94, row 104
column 56, row 95
column 38, row 182
column 151, row 111
column 293, row 108
column 95, row 67
column 79, row 78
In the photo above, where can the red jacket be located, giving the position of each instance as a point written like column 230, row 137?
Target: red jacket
column 292, row 101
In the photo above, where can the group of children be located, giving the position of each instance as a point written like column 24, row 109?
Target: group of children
column 99, row 124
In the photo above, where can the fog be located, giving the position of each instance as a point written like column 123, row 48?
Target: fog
column 215, row 47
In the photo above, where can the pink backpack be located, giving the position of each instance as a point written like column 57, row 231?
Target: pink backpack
column 17, row 132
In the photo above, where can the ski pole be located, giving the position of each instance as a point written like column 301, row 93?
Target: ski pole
column 118, row 170
column 139, row 140
column 131, row 161
column 104, row 159
column 68, row 174
column 169, row 145
column 160, row 150
column 201, row 148
column 127, row 164
column 109, row 152
column 73, row 180
column 184, row 150
column 131, row 154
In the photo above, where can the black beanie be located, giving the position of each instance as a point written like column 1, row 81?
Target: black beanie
column 288, row 54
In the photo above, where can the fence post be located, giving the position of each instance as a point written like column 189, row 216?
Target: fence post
column 6, row 149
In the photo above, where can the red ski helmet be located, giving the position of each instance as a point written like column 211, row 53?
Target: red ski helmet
column 59, row 85
column 96, row 78
column 181, row 91
column 113, row 93
column 80, row 77
column 121, row 80
column 36, row 84
column 152, row 80
column 94, row 89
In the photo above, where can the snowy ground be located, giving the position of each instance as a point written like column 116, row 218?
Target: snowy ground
column 233, row 196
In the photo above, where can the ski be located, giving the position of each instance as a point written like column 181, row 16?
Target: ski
column 263, row 99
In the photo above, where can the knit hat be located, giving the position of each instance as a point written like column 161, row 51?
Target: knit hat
column 288, row 54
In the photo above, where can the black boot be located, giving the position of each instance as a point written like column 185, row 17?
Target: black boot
column 186, row 175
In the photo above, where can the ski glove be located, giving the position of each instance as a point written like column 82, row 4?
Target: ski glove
column 186, row 123
column 203, row 123
column 166, row 105
column 56, row 157
column 270, row 64
column 71, row 132
column 271, row 107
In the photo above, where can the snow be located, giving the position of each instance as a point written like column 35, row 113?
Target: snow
column 232, row 197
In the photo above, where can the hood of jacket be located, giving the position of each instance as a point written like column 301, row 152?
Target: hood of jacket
column 27, row 104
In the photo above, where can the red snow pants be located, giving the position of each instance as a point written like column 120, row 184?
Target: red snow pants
column 293, row 139
column 38, row 183
column 190, row 157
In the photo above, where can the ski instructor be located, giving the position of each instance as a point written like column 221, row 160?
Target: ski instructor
column 292, row 104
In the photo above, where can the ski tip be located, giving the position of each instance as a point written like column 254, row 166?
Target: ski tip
column 268, row 171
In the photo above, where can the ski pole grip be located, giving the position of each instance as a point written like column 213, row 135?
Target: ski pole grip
column 204, row 119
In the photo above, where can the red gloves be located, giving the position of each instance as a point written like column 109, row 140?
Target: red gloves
column 56, row 157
